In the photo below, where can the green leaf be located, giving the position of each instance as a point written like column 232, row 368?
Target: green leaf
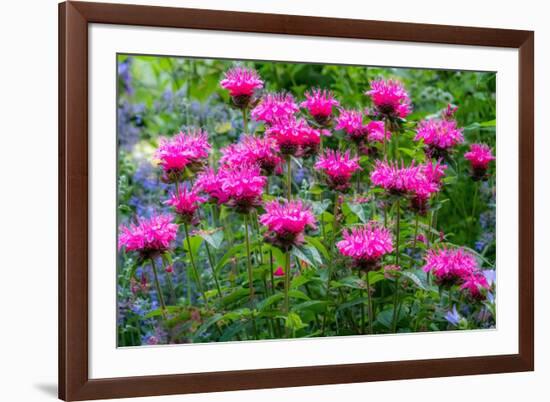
column 214, row 239
column 315, row 242
column 207, row 324
column 301, row 256
column 235, row 296
column 294, row 322
column 416, row 280
column 358, row 210
column 195, row 241
column 317, row 306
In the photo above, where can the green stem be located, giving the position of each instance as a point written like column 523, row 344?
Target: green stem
column 245, row 121
column 287, row 281
column 396, row 295
column 362, row 295
column 272, row 273
column 195, row 270
column 289, row 178
column 159, row 290
column 213, row 267
column 248, row 262
column 369, row 301
column 287, row 286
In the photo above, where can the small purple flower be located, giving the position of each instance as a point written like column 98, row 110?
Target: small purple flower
column 453, row 317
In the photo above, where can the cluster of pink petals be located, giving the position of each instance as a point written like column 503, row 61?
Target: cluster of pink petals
column 319, row 103
column 338, row 166
column 274, row 107
column 242, row 186
column 396, row 179
column 449, row 265
column 429, row 179
column 241, row 81
column 279, row 271
column 351, row 121
column 253, row 151
column 366, row 244
column 474, row 283
column 376, row 131
column 479, row 156
column 210, row 183
column 288, row 217
column 238, row 186
column 439, row 133
column 148, row 236
column 390, row 98
column 185, row 148
column 185, row 203
column 294, row 136
column 449, row 112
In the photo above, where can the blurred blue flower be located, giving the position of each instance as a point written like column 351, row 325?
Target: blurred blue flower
column 453, row 317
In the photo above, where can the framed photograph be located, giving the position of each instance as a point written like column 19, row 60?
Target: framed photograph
column 260, row 200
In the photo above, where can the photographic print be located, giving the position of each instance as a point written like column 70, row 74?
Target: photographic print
column 263, row 200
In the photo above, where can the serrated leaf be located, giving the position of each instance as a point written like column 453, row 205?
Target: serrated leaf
column 214, row 239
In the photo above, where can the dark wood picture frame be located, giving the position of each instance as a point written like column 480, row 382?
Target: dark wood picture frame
column 74, row 18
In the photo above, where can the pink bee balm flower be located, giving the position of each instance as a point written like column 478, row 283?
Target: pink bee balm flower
column 251, row 151
column 310, row 140
column 428, row 183
column 475, row 283
column 439, row 136
column 185, row 150
column 289, row 135
column 319, row 104
column 279, row 271
column 390, row 98
column 449, row 112
column 394, row 179
column 338, row 167
column 185, row 203
column 366, row 245
column 210, row 183
column 149, row 237
column 243, row 186
column 376, row 131
column 450, row 265
column 287, row 222
column 351, row 121
column 242, row 83
column 274, row 107
column 480, row 156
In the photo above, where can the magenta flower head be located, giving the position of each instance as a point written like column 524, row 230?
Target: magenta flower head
column 310, row 139
column 210, row 183
column 390, row 98
column 254, row 151
column 476, row 285
column 186, row 150
column 376, row 131
column 366, row 245
column 243, row 186
column 185, row 203
column 286, row 223
column 149, row 237
column 338, row 168
column 449, row 112
column 450, row 266
column 428, row 183
column 394, row 179
column 242, row 83
column 288, row 134
column 351, row 121
column 439, row 136
column 319, row 104
column 480, row 156
column 274, row 107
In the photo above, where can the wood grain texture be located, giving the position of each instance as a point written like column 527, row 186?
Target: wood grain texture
column 74, row 382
